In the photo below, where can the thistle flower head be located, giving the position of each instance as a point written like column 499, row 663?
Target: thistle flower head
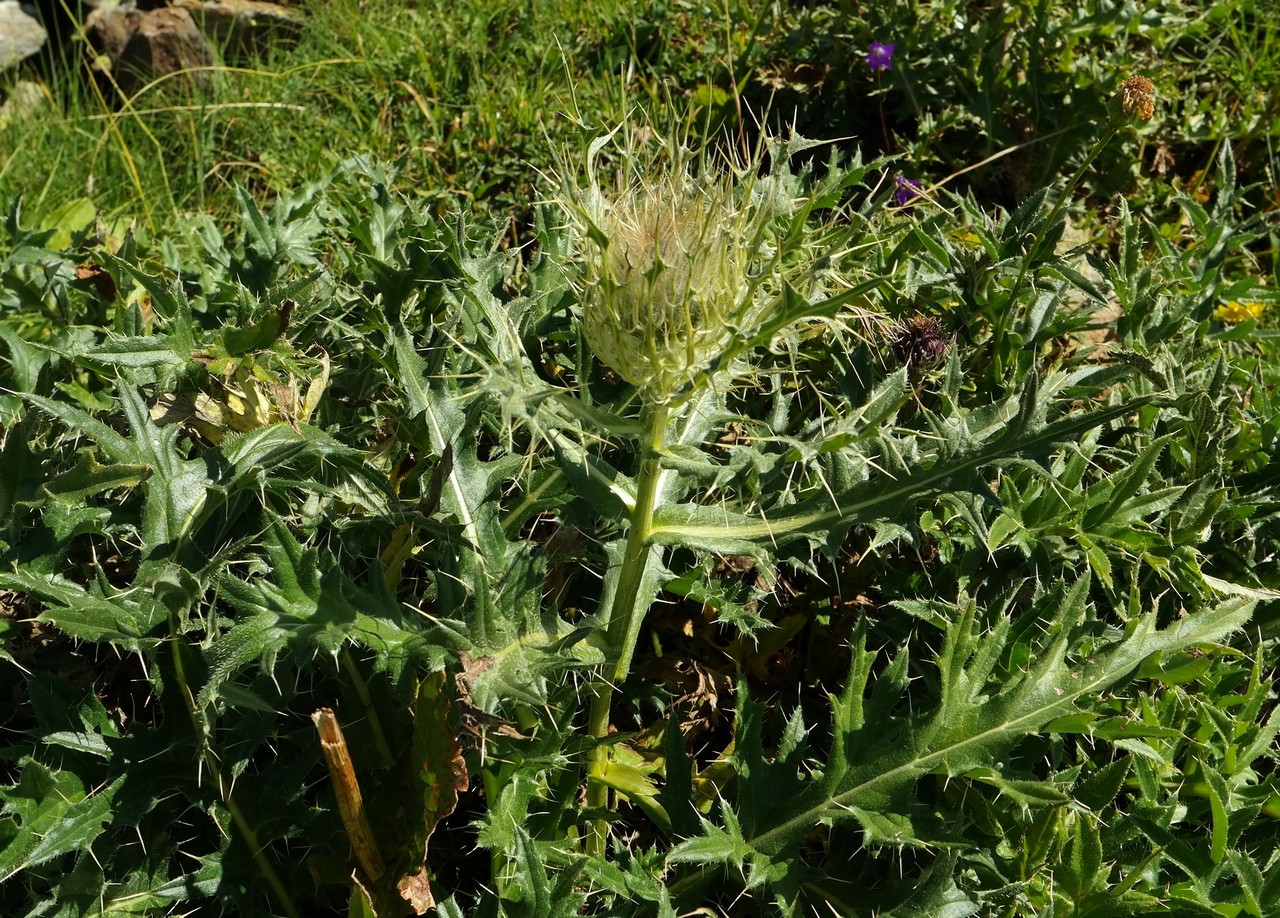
column 906, row 190
column 663, row 290
column 686, row 263
column 920, row 342
column 1138, row 98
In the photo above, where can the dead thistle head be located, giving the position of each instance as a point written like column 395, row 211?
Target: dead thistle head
column 1138, row 98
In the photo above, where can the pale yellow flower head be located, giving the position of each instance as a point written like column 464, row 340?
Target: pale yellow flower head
column 663, row 287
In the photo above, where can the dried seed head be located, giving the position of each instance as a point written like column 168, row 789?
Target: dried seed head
column 1138, row 98
column 920, row 342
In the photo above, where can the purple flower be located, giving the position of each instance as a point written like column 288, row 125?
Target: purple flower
column 907, row 190
column 879, row 57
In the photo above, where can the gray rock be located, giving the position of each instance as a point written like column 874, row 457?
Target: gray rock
column 137, row 46
column 243, row 27
column 25, row 98
column 21, row 34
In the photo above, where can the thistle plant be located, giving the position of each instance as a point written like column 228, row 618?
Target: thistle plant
column 688, row 267
column 1033, row 692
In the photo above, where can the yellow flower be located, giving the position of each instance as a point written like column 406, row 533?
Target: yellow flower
column 1234, row 312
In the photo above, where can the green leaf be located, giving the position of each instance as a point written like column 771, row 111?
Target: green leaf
column 256, row 638
column 1083, row 869
column 89, row 477
column 1022, row 792
column 1104, row 785
column 1099, row 563
column 68, row 221
column 724, row 847
column 1252, row 883
column 538, row 897
column 1220, row 809
column 92, row 743
column 135, row 352
column 26, row 360
column 126, row 619
column 886, row 828
column 971, row 727
column 410, row 370
column 610, row 493
column 290, row 600
column 1179, row 670
column 202, row 882
column 116, row 446
column 1262, row 744
column 256, row 336
column 519, row 660
column 53, row 814
column 1008, row 431
column 174, row 488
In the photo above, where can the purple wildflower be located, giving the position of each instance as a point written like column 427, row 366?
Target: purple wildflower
column 907, row 190
column 879, row 57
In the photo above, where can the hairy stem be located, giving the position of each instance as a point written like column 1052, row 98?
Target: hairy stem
column 625, row 616
column 362, row 690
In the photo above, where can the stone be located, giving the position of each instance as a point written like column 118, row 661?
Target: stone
column 21, row 34
column 243, row 28
column 137, row 46
column 25, row 98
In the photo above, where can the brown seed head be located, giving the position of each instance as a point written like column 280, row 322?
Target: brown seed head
column 1138, row 98
column 920, row 342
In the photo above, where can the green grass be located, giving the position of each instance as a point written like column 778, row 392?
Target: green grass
column 471, row 96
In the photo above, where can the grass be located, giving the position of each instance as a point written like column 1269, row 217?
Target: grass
column 467, row 95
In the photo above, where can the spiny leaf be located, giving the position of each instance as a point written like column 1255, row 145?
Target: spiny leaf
column 726, row 529
column 126, row 619
column 255, row 638
column 978, row 727
column 1220, row 809
column 90, row 477
column 117, row 446
column 725, row 847
column 1080, row 873
column 132, row 353
column 53, row 814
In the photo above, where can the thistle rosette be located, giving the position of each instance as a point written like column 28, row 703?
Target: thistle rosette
column 665, row 284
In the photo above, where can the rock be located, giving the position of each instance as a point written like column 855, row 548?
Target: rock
column 243, row 28
column 137, row 46
column 109, row 30
column 21, row 34
column 25, row 98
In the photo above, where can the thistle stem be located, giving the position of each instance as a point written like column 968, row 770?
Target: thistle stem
column 622, row 626
column 362, row 691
